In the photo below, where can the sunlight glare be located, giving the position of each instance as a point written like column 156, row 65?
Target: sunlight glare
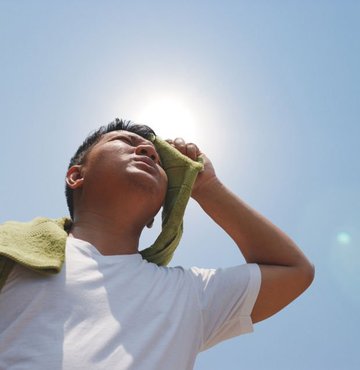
column 170, row 118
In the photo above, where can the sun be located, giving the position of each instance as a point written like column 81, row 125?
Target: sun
column 170, row 117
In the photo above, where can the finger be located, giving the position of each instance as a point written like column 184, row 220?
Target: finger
column 171, row 142
column 180, row 145
column 192, row 151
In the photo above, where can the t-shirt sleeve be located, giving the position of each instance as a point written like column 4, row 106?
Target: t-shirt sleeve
column 226, row 298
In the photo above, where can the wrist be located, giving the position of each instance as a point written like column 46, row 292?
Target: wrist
column 205, row 188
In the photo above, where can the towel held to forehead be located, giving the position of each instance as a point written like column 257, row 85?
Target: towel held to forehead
column 40, row 243
column 181, row 172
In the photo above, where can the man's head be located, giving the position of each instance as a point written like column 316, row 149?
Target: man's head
column 117, row 139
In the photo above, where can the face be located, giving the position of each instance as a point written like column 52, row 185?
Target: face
column 125, row 164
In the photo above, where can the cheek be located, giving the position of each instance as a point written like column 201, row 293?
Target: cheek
column 109, row 160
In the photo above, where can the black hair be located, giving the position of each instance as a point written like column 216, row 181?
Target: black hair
column 93, row 138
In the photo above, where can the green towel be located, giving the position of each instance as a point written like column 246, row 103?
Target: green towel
column 181, row 172
column 40, row 243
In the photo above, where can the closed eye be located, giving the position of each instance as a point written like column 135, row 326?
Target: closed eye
column 124, row 139
column 127, row 140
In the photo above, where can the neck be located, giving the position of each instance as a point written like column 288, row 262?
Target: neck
column 109, row 235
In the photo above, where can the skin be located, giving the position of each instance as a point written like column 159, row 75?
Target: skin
column 113, row 220
column 118, row 191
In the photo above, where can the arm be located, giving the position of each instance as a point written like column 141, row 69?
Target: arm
column 285, row 270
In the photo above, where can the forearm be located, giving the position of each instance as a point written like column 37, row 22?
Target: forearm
column 258, row 239
column 285, row 271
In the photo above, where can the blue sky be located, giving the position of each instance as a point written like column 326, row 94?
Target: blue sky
column 269, row 90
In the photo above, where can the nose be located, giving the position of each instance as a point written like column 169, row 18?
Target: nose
column 149, row 151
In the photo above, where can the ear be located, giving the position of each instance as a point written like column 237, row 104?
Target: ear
column 74, row 177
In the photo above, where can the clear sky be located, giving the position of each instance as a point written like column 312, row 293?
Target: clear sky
column 268, row 89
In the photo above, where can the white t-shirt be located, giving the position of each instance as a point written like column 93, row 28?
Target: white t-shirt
column 120, row 312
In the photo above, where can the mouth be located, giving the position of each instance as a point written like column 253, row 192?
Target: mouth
column 146, row 160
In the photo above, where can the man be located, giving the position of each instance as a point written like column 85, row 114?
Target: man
column 108, row 308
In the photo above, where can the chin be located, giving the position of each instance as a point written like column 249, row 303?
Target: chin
column 150, row 190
